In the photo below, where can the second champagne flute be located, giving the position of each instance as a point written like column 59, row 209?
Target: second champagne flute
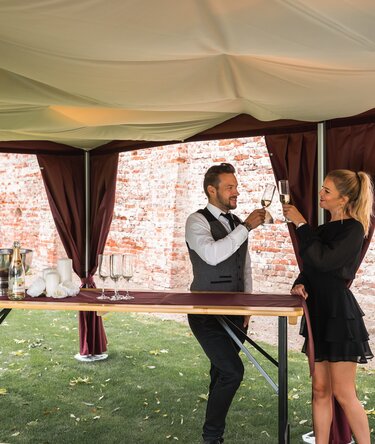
column 266, row 200
column 284, row 192
column 116, row 273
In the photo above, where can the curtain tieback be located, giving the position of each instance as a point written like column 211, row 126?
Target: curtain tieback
column 88, row 281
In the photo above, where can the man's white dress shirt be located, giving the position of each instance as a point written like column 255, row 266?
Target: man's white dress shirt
column 198, row 236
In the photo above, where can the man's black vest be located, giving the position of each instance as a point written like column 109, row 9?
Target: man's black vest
column 226, row 276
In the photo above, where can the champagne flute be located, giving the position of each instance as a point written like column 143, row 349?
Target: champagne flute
column 104, row 272
column 284, row 192
column 116, row 273
column 266, row 200
column 127, row 273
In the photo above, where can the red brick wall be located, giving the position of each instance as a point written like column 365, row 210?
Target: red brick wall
column 156, row 190
column 24, row 211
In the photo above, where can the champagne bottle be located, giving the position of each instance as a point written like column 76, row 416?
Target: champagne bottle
column 16, row 280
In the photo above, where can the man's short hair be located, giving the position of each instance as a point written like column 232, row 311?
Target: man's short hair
column 212, row 175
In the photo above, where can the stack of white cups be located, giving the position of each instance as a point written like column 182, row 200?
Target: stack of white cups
column 56, row 282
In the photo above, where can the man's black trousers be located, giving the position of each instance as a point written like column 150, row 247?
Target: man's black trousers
column 226, row 368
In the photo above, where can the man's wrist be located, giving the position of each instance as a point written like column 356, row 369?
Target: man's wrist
column 247, row 225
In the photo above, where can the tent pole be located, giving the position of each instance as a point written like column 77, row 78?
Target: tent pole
column 321, row 165
column 87, row 212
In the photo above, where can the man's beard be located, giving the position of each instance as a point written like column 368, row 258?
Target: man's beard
column 228, row 203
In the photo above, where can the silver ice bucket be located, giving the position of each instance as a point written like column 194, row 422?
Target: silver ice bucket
column 5, row 259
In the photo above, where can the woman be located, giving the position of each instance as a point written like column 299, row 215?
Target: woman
column 330, row 257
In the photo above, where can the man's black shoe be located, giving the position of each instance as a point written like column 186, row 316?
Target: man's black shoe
column 215, row 441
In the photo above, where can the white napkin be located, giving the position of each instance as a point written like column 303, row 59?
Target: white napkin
column 65, row 289
column 37, row 287
column 62, row 290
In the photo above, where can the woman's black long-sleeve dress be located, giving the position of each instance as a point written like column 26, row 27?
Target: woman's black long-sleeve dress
column 330, row 257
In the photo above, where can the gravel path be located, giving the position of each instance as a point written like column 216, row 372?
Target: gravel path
column 265, row 328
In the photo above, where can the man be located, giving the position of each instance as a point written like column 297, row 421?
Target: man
column 218, row 247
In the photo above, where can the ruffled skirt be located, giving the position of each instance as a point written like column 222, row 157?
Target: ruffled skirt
column 338, row 329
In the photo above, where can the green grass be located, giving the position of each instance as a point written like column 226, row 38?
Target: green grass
column 151, row 389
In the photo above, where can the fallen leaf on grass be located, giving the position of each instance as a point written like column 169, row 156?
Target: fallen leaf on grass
column 3, row 391
column 303, row 421
column 79, row 380
column 75, row 417
column 203, row 397
column 19, row 353
column 33, row 423
column 53, row 410
column 36, row 343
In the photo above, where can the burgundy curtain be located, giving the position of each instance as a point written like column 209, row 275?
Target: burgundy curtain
column 353, row 148
column 64, row 183
column 103, row 173
column 103, row 192
column 293, row 157
column 63, row 178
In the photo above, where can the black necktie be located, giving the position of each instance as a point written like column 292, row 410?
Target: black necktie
column 230, row 219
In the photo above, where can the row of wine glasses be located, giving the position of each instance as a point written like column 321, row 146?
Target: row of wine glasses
column 267, row 196
column 115, row 266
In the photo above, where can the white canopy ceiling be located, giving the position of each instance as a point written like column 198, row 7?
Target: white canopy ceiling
column 90, row 71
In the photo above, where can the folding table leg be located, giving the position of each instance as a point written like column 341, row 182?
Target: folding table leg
column 4, row 313
column 247, row 353
column 284, row 432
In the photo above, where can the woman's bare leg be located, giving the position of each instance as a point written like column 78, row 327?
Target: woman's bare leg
column 343, row 387
column 322, row 402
